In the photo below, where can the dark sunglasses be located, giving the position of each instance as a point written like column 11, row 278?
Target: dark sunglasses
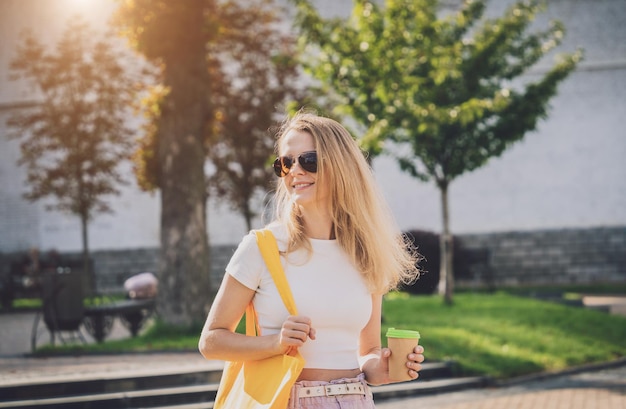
column 306, row 160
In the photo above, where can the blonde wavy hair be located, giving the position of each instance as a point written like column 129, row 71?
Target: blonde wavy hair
column 362, row 222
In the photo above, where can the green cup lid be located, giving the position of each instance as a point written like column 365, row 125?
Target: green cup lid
column 402, row 333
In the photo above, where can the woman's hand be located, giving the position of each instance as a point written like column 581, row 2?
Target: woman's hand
column 376, row 367
column 374, row 360
column 295, row 332
column 414, row 361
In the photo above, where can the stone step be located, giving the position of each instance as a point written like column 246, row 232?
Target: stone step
column 63, row 385
column 423, row 387
column 180, row 389
column 202, row 396
column 128, row 399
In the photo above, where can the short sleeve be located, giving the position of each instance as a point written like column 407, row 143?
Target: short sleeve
column 246, row 265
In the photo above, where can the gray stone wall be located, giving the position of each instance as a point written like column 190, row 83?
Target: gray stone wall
column 564, row 256
column 522, row 258
column 113, row 267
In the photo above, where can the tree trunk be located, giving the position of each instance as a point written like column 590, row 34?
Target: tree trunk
column 88, row 279
column 247, row 214
column 185, row 292
column 446, row 273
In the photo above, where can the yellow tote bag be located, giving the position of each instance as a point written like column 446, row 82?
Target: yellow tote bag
column 265, row 383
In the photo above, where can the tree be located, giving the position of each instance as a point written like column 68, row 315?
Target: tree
column 448, row 92
column 174, row 35
column 74, row 139
column 221, row 79
column 257, row 78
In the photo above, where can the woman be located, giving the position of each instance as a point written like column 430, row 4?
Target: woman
column 340, row 250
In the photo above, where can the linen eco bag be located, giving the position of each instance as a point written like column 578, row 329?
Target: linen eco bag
column 265, row 383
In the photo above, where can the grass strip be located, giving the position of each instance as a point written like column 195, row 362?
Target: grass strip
column 499, row 334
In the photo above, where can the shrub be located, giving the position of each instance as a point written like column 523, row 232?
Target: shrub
column 427, row 245
column 470, row 263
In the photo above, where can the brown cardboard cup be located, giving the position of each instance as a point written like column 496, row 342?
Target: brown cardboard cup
column 401, row 343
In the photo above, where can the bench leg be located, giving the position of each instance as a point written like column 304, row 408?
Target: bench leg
column 135, row 321
column 97, row 330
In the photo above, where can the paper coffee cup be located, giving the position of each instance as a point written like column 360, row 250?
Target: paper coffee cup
column 401, row 342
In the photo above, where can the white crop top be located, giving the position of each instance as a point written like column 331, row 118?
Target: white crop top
column 326, row 287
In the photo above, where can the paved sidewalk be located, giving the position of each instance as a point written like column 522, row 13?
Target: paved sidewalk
column 16, row 330
column 598, row 389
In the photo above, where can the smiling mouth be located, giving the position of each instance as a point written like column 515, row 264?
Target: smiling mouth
column 297, row 186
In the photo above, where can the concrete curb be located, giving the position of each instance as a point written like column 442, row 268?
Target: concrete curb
column 553, row 374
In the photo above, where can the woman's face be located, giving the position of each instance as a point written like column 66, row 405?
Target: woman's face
column 304, row 187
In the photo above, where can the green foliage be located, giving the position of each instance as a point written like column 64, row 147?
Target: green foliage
column 74, row 138
column 162, row 30
column 254, row 75
column 145, row 156
column 27, row 304
column 158, row 337
column 441, row 87
column 173, row 37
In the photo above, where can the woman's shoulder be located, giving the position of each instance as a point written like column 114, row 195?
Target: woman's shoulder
column 280, row 232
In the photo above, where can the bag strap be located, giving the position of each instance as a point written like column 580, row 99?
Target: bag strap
column 269, row 250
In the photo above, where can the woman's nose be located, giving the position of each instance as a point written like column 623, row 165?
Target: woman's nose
column 296, row 168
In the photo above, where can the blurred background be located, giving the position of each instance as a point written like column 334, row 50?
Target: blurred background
column 559, row 194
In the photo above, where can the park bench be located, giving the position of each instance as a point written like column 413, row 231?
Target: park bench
column 133, row 313
column 63, row 312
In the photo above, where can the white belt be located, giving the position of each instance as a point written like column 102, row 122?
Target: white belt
column 355, row 388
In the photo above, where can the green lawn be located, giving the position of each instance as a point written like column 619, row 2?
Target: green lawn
column 504, row 335
column 500, row 335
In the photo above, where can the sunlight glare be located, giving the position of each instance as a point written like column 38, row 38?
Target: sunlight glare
column 90, row 9
column 78, row 4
